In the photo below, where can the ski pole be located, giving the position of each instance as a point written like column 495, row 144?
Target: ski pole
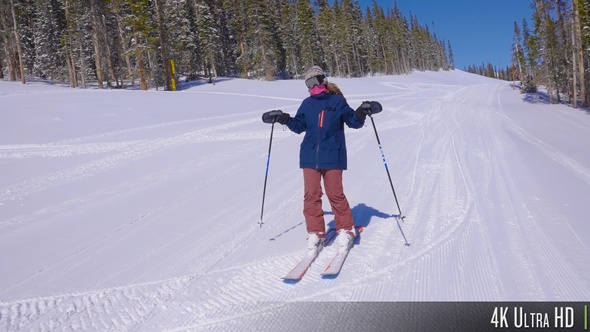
column 401, row 216
column 266, row 175
column 268, row 117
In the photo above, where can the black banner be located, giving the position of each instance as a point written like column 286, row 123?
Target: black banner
column 425, row 316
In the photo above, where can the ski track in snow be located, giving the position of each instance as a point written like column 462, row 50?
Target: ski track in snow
column 132, row 153
column 447, row 164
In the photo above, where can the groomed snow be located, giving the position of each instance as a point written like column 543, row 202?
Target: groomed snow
column 134, row 210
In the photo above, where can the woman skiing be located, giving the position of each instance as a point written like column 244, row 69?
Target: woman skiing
column 322, row 155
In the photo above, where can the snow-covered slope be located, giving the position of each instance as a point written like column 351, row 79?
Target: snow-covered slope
column 130, row 210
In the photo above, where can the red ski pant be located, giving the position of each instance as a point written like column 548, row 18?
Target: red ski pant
column 312, row 200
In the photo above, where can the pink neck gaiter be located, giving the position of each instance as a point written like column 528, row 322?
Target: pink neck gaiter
column 316, row 90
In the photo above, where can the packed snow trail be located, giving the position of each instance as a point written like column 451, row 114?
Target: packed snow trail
column 121, row 215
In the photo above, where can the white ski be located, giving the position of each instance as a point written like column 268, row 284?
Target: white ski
column 335, row 265
column 299, row 270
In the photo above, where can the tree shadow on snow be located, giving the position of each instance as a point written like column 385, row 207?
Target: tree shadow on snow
column 543, row 98
column 188, row 84
column 536, row 98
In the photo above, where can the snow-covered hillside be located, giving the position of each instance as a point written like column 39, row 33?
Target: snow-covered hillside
column 131, row 210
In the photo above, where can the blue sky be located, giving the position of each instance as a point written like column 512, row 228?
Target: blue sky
column 479, row 30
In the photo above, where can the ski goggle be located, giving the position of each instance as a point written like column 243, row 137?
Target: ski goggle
column 315, row 80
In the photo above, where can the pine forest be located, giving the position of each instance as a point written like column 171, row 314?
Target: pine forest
column 152, row 43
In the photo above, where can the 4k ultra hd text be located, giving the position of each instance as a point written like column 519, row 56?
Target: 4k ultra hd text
column 561, row 317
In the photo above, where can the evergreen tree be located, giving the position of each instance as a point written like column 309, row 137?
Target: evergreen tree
column 227, row 39
column 237, row 19
column 545, row 30
column 370, row 43
column 96, row 32
column 330, row 27
column 208, row 36
column 451, row 56
column 310, row 48
column 581, row 14
column 262, row 51
column 518, row 52
column 139, row 22
column 288, row 35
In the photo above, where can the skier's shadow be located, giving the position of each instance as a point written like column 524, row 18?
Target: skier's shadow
column 362, row 215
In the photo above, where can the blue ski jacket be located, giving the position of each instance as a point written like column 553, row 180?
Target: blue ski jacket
column 322, row 118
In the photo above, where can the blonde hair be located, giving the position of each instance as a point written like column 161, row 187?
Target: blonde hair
column 334, row 89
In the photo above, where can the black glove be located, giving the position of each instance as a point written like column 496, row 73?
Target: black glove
column 276, row 116
column 368, row 108
column 363, row 110
column 283, row 118
column 375, row 107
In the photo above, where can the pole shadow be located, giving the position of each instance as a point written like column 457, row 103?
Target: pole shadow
column 274, row 238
